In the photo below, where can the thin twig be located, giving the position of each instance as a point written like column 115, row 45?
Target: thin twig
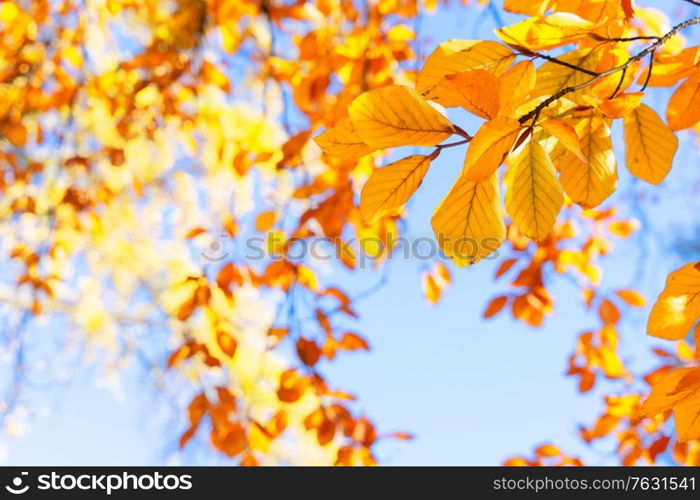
column 560, row 62
column 651, row 65
column 619, row 84
column 623, row 39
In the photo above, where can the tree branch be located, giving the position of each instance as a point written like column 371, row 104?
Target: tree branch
column 560, row 62
column 623, row 67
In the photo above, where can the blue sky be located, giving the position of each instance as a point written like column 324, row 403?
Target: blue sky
column 473, row 392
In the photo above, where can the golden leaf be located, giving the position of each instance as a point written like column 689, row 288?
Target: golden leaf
column 397, row 116
column 684, row 106
column 649, row 145
column 343, row 141
column 456, row 56
column 468, row 224
column 678, row 305
column 390, row 187
column 515, row 85
column 534, row 196
column 547, row 32
column 565, row 134
column 590, row 183
column 489, row 147
column 475, row 91
column 552, row 77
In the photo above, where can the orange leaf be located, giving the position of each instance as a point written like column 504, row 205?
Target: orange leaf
column 489, row 148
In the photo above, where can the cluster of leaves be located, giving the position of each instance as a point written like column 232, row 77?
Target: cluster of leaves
column 134, row 133
column 125, row 127
column 551, row 125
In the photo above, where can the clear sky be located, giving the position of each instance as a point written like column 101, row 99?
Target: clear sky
column 473, row 392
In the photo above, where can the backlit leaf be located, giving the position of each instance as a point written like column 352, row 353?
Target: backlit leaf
column 343, row 141
column 565, row 134
column 590, row 183
column 678, row 305
column 456, row 56
column 683, row 109
column 514, row 85
column 476, row 91
column 649, row 145
column 534, row 196
column 468, row 224
column 390, row 187
column 397, row 116
column 489, row 147
column 547, row 32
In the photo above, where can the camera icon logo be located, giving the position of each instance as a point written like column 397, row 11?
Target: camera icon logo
column 16, row 488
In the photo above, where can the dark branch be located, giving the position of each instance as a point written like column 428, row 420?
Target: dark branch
column 651, row 65
column 619, row 84
column 623, row 67
column 560, row 62
column 624, row 39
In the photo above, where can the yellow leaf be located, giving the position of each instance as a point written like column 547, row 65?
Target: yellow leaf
column 534, row 196
column 604, row 87
column 390, row 187
column 663, row 396
column 684, row 106
column 529, row 7
column 514, row 86
column 552, row 77
column 668, row 69
column 621, row 105
column 397, row 116
column 678, row 305
column 343, row 141
column 566, row 135
column 476, row 91
column 431, row 288
column 489, row 147
column 456, row 56
column 632, row 297
column 590, row 183
column 677, row 389
column 468, row 224
column 547, row 32
column 265, row 220
column 649, row 145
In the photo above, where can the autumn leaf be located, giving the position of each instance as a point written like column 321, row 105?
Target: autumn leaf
column 566, row 135
column 489, row 147
column 590, row 183
column 553, row 77
column 632, row 297
column 649, row 145
column 534, row 196
column 476, row 91
column 397, row 116
column 456, row 56
column 343, row 141
column 547, row 32
column 678, row 306
column 683, row 109
column 468, row 224
column 265, row 220
column 514, row 86
column 390, row 187
column 678, row 390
